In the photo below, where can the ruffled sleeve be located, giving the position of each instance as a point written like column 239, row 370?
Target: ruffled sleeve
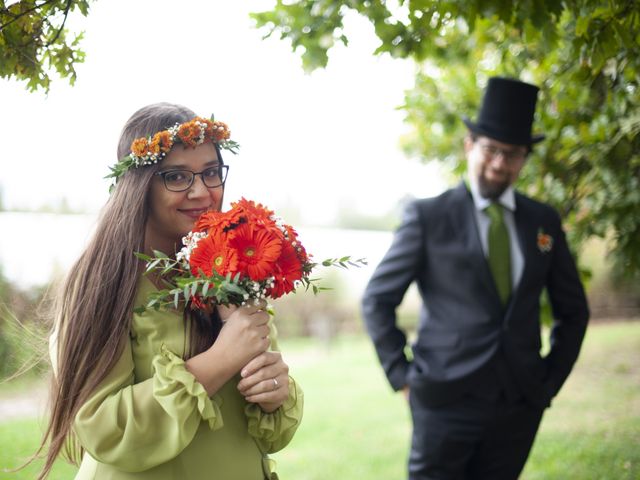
column 273, row 431
column 135, row 427
column 176, row 389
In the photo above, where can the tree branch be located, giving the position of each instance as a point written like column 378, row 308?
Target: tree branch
column 64, row 20
column 22, row 14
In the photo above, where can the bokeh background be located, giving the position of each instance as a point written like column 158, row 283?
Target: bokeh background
column 322, row 149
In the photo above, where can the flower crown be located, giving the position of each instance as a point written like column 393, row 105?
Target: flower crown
column 152, row 149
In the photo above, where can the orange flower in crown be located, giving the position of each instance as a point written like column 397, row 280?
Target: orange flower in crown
column 215, row 129
column 191, row 133
column 140, row 147
column 160, row 143
column 151, row 150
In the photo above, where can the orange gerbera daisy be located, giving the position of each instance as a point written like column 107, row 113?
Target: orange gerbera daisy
column 254, row 212
column 258, row 250
column 214, row 221
column 252, row 207
column 288, row 270
column 212, row 254
column 140, row 147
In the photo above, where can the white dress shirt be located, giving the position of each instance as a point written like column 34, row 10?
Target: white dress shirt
column 508, row 201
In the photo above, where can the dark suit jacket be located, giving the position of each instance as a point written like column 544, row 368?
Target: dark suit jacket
column 462, row 324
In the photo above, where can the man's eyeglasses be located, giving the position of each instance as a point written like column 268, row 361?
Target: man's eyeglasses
column 181, row 180
column 510, row 156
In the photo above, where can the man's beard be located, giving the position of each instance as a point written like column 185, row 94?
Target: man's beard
column 491, row 190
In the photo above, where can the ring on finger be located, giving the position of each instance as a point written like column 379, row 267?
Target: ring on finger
column 276, row 385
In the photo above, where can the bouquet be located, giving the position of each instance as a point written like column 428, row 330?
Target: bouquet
column 244, row 255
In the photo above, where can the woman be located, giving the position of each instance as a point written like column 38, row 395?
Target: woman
column 162, row 395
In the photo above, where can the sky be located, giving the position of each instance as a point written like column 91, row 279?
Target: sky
column 311, row 142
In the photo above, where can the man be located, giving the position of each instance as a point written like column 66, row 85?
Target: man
column 481, row 255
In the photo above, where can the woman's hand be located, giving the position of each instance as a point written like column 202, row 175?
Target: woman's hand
column 243, row 337
column 265, row 381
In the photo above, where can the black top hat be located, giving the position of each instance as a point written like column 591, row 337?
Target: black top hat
column 507, row 112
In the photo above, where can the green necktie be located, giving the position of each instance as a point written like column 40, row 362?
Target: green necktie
column 499, row 251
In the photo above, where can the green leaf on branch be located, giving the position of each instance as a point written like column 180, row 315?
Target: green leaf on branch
column 33, row 41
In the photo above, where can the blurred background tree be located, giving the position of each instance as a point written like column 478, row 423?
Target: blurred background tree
column 585, row 56
column 34, row 41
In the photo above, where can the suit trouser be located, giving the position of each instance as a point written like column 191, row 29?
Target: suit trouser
column 485, row 434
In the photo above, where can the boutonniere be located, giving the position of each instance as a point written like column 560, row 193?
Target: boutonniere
column 545, row 241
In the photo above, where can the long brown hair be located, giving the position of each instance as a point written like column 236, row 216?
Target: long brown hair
column 94, row 308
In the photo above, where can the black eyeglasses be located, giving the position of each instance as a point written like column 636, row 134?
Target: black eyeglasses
column 510, row 156
column 181, row 180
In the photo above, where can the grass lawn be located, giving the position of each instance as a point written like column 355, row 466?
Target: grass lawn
column 592, row 430
column 355, row 428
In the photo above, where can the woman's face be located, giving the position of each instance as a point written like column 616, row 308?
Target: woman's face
column 173, row 214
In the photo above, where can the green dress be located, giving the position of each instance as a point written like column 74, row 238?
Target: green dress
column 151, row 419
